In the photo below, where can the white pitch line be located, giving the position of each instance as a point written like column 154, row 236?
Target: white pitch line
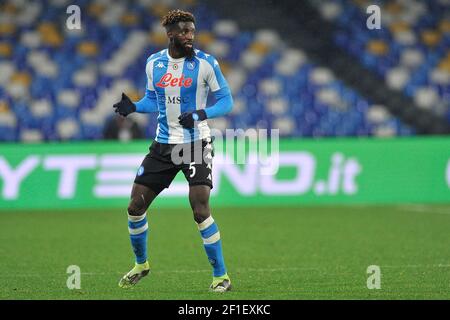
column 418, row 266
column 422, row 208
column 236, row 271
column 174, row 271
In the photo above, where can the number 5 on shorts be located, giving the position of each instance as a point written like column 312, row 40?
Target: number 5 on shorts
column 191, row 167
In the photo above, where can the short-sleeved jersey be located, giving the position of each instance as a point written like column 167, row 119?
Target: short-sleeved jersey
column 181, row 85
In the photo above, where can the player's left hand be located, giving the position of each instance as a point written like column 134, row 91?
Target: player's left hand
column 187, row 119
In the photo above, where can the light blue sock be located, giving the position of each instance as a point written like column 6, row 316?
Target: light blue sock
column 138, row 228
column 213, row 245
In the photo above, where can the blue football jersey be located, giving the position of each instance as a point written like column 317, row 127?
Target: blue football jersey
column 181, row 85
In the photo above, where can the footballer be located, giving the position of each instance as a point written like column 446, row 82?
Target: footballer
column 178, row 81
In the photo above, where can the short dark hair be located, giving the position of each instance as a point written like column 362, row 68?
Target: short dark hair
column 175, row 16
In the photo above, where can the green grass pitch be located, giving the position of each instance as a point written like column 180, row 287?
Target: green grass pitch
column 271, row 253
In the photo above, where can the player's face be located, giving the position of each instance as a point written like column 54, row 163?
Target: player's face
column 183, row 37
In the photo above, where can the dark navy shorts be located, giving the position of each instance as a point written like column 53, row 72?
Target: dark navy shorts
column 164, row 161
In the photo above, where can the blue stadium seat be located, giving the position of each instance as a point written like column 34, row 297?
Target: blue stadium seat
column 313, row 116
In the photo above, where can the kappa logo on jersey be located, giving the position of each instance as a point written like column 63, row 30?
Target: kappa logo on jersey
column 168, row 80
column 160, row 65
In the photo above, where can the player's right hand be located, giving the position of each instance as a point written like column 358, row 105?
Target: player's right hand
column 125, row 106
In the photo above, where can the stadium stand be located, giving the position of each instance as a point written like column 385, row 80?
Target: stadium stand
column 60, row 84
column 411, row 52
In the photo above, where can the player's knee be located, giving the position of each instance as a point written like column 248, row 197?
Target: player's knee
column 201, row 211
column 136, row 208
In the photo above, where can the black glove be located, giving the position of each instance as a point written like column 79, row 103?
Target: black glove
column 187, row 119
column 125, row 106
